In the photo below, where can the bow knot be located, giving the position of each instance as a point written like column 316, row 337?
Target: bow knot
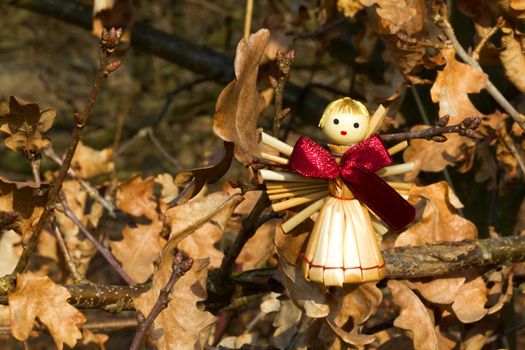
column 357, row 168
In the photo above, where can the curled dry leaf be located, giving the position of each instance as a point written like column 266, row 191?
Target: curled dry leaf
column 470, row 300
column 25, row 124
column 211, row 173
column 36, row 296
column 89, row 163
column 23, row 199
column 139, row 249
column 440, row 221
column 185, row 219
column 135, row 197
column 414, row 316
column 182, row 325
column 513, row 59
column 451, row 89
column 308, row 296
column 240, row 104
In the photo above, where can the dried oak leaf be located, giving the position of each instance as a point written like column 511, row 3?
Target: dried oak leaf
column 240, row 104
column 24, row 199
column 440, row 221
column 309, row 297
column 200, row 244
column 451, row 89
column 139, row 249
column 25, row 124
column 349, row 7
column 184, row 219
column 135, row 197
column 38, row 296
column 209, row 174
column 513, row 59
column 88, row 162
column 182, row 325
column 414, row 316
column 470, row 300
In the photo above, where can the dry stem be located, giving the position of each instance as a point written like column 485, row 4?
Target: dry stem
column 71, row 265
column 284, row 61
column 435, row 133
column 103, row 250
column 179, row 267
column 108, row 42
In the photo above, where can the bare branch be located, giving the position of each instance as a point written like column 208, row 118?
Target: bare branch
column 72, row 266
column 179, row 267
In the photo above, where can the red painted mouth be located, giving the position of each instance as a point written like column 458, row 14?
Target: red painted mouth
column 343, row 133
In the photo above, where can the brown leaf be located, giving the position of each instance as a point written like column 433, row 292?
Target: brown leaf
column 286, row 322
column 440, row 291
column 25, row 124
column 208, row 174
column 469, row 304
column 406, row 15
column 259, row 248
column 349, row 7
column 512, row 59
column 139, row 249
column 308, row 296
column 440, row 221
column 89, row 163
column 135, row 197
column 36, row 296
column 200, row 244
column 181, row 325
column 414, row 316
column 96, row 338
column 451, row 89
column 240, row 104
column 23, row 199
column 185, row 219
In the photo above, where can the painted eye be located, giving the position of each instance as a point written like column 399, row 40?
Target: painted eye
column 336, row 121
column 356, row 125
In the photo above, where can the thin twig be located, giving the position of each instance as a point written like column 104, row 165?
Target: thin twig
column 435, row 133
column 71, row 265
column 475, row 54
column 35, row 168
column 109, row 41
column 103, row 250
column 249, row 227
column 91, row 191
column 447, row 29
column 179, row 267
column 248, row 19
column 284, row 61
column 161, row 149
column 107, row 325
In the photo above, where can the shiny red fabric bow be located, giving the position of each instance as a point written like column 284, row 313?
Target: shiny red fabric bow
column 357, row 167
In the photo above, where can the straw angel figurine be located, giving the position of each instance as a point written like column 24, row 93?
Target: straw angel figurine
column 347, row 190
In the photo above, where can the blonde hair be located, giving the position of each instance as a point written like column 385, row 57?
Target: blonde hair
column 343, row 105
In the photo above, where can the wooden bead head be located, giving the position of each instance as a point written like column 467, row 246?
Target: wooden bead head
column 345, row 121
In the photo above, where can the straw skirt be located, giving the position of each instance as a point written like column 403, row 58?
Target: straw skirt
column 343, row 247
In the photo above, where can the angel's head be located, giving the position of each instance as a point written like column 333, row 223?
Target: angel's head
column 345, row 121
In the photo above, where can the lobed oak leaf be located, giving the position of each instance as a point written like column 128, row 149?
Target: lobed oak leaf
column 139, row 249
column 440, row 221
column 36, row 296
column 88, row 162
column 25, row 124
column 451, row 89
column 470, row 300
column 169, row 189
column 414, row 316
column 182, row 325
column 240, row 104
column 135, row 197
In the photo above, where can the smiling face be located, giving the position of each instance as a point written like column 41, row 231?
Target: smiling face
column 345, row 122
column 346, row 129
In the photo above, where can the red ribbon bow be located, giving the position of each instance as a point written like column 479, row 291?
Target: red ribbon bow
column 357, row 168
